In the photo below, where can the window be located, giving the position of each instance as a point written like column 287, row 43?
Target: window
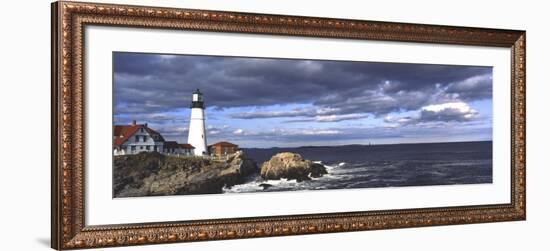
column 155, row 148
column 141, row 129
column 141, row 147
column 147, row 148
column 144, row 138
column 137, row 138
column 133, row 148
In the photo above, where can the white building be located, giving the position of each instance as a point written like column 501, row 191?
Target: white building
column 173, row 147
column 197, row 131
column 136, row 138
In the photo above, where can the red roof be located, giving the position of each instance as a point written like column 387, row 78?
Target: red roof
column 174, row 145
column 123, row 132
column 187, row 146
column 224, row 143
column 171, row 144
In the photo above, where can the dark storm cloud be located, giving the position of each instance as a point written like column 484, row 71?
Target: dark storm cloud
column 331, row 118
column 147, row 83
column 156, row 118
column 275, row 114
column 445, row 113
column 473, row 88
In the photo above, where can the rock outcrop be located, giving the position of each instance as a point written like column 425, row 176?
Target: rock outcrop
column 291, row 166
column 149, row 174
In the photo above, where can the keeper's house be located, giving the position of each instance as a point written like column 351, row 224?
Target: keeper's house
column 223, row 148
column 173, row 147
column 136, row 138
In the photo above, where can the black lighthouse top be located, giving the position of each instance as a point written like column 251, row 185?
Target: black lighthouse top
column 197, row 101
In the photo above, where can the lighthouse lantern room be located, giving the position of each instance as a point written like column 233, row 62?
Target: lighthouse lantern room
column 197, row 131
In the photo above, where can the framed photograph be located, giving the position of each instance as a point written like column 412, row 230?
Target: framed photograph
column 176, row 125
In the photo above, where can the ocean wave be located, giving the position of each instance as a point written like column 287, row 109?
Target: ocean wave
column 260, row 185
column 257, row 184
column 331, row 168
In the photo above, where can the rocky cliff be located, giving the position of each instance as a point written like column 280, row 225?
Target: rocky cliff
column 291, row 166
column 149, row 174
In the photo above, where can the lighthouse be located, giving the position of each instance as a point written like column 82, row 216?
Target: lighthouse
column 197, row 132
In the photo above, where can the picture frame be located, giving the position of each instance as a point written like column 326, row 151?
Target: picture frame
column 69, row 207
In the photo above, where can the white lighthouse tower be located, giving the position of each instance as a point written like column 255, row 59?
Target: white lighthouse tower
column 197, row 132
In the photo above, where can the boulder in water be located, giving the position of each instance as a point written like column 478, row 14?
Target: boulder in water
column 291, row 166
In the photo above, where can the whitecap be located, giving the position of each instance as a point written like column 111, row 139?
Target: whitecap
column 330, row 168
column 255, row 185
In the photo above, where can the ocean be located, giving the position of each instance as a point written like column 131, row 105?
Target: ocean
column 370, row 166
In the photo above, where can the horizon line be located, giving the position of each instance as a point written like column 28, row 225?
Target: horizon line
column 382, row 144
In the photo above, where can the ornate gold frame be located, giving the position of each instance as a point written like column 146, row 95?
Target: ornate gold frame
column 68, row 228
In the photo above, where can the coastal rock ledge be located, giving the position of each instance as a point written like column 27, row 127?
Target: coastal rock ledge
column 291, row 166
column 153, row 174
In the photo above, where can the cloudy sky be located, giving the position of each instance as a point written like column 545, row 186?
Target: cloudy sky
column 261, row 102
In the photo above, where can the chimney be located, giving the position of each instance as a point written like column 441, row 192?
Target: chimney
column 133, row 122
column 146, row 125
